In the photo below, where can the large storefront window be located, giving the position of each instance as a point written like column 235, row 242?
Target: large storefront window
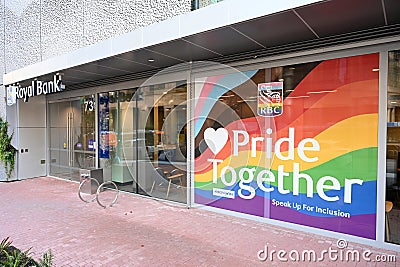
column 392, row 205
column 162, row 133
column 293, row 143
column 142, row 139
column 117, row 125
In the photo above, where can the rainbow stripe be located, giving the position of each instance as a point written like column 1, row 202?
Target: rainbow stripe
column 341, row 114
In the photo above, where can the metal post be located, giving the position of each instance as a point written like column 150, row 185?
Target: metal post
column 195, row 4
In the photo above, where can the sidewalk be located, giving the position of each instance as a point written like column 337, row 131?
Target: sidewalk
column 45, row 213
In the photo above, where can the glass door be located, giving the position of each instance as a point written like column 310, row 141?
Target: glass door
column 72, row 136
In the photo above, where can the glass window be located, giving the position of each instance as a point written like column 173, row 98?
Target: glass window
column 392, row 204
column 162, row 138
column 294, row 143
column 142, row 142
column 72, row 136
column 117, row 122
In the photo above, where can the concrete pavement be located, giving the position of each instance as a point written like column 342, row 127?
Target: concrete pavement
column 46, row 213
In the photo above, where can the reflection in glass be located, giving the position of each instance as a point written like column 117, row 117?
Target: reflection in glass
column 333, row 103
column 117, row 112
column 392, row 204
column 72, row 136
column 142, row 140
column 162, row 141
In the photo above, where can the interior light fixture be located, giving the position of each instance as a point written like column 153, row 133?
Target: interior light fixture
column 375, row 69
column 300, row 96
column 227, row 95
column 322, row 92
column 150, row 60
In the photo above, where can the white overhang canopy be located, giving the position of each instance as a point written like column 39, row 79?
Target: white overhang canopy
column 229, row 31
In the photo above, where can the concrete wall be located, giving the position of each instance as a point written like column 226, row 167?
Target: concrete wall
column 35, row 30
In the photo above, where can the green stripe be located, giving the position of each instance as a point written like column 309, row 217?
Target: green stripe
column 360, row 164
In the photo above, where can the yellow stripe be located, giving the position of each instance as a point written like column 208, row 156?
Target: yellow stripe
column 270, row 104
column 348, row 135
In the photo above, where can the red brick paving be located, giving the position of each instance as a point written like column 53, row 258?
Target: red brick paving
column 45, row 213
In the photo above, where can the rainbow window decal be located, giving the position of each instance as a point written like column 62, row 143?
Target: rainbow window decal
column 315, row 164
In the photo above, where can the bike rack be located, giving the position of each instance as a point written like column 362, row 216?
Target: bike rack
column 87, row 179
column 99, row 189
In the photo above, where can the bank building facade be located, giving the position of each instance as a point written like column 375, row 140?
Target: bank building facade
column 283, row 112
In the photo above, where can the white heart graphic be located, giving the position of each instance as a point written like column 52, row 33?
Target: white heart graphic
column 215, row 139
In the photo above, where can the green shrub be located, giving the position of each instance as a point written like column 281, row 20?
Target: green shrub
column 46, row 260
column 10, row 256
column 7, row 151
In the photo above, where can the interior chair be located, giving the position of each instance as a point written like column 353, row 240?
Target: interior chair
column 175, row 174
column 388, row 208
column 159, row 179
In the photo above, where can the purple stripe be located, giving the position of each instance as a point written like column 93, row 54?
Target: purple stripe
column 357, row 225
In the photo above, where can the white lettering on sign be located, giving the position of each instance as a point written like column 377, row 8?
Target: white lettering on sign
column 39, row 88
column 306, row 151
column 241, row 138
column 223, row 193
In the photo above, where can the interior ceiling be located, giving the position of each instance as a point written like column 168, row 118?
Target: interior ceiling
column 316, row 25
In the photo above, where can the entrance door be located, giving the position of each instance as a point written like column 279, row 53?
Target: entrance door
column 72, row 136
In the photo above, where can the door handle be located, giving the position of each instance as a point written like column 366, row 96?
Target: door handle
column 72, row 139
column 68, row 147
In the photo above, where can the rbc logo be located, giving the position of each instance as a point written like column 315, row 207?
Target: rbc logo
column 270, row 99
column 11, row 95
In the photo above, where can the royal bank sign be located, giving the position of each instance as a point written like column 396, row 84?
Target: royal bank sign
column 36, row 88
